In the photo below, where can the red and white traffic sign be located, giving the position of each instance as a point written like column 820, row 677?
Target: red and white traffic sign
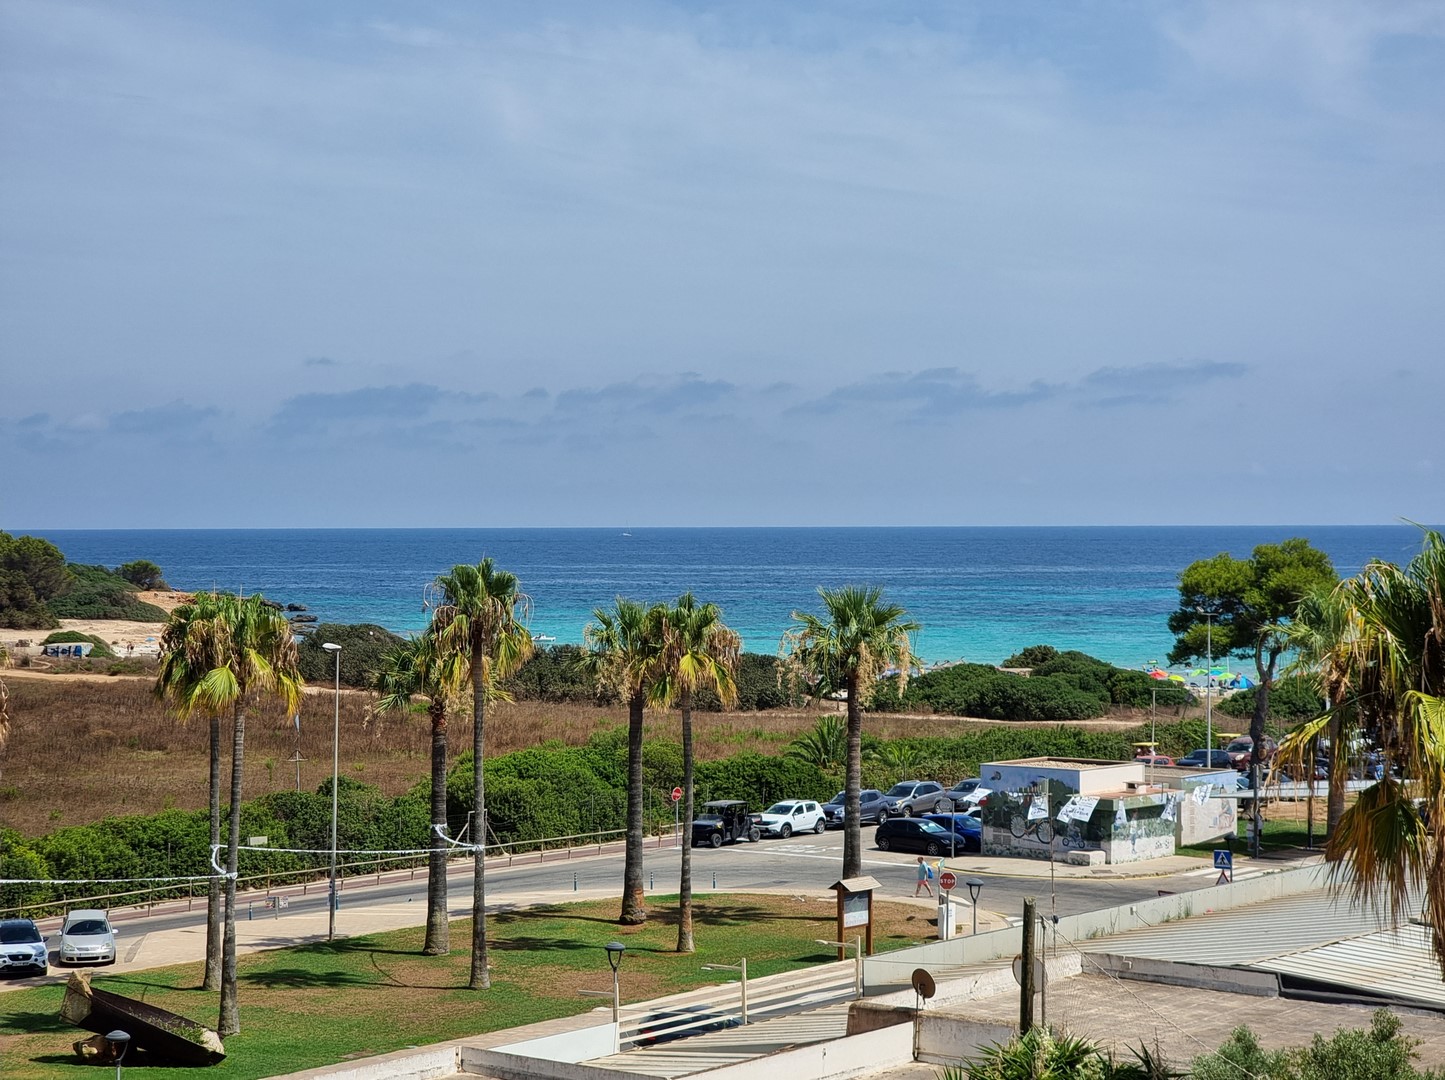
column 677, row 794
column 946, row 881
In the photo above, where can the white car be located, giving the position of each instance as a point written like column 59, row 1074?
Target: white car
column 795, row 816
column 87, row 938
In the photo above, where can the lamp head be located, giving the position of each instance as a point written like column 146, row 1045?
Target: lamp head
column 975, row 886
column 615, row 949
column 329, row 647
column 119, row 1042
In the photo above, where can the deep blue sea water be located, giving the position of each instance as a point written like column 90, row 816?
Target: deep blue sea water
column 980, row 593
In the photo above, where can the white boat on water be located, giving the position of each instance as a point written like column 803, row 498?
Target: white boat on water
column 542, row 639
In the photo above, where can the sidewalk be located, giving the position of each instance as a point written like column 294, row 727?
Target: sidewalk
column 1015, row 867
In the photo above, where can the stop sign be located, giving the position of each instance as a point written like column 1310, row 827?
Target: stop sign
column 676, row 794
column 946, row 880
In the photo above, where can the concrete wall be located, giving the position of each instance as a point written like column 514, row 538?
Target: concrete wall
column 582, row 1044
column 505, row 1066
column 947, row 1040
column 1229, row 980
column 891, row 971
column 425, row 1063
column 1027, row 773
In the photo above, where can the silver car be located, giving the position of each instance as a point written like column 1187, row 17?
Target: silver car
column 86, row 938
column 22, row 948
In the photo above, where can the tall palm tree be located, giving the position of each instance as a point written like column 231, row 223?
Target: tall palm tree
column 193, row 644
column 220, row 654
column 479, row 622
column 698, row 650
column 1391, row 843
column 624, row 655
column 410, row 669
column 858, row 639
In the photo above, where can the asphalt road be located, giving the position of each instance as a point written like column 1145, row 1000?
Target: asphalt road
column 808, row 864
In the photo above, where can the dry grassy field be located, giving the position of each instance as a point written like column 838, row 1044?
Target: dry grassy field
column 85, row 747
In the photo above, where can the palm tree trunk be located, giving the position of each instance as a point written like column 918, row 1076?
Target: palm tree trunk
column 212, row 978
column 1339, row 773
column 230, row 1021
column 634, row 911
column 481, row 977
column 438, row 931
column 852, row 785
column 684, row 891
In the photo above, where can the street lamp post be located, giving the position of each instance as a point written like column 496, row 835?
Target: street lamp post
column 335, row 651
column 615, row 949
column 119, row 1043
column 975, row 886
column 1208, row 695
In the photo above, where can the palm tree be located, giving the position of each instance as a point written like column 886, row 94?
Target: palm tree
column 698, row 650
column 825, row 747
column 193, row 644
column 409, row 669
column 220, row 653
column 624, row 655
column 1390, row 844
column 860, row 639
column 479, row 623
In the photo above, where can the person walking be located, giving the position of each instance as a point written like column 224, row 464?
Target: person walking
column 925, row 871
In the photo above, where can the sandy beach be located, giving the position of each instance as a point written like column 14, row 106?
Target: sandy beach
column 124, row 638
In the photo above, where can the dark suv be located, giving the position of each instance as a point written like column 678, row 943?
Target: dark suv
column 908, row 798
column 871, row 808
column 913, row 834
column 724, row 821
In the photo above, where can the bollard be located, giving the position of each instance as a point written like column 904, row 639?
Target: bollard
column 574, row 880
column 249, row 914
column 714, row 879
column 652, row 882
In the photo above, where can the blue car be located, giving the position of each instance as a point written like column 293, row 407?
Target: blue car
column 967, row 831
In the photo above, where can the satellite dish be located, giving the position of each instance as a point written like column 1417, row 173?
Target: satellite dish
column 923, row 984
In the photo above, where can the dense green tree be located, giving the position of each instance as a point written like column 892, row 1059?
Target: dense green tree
column 479, row 623
column 219, row 654
column 415, row 668
column 1242, row 607
column 698, row 649
column 846, row 651
column 32, row 571
column 364, row 651
column 624, row 656
column 143, row 574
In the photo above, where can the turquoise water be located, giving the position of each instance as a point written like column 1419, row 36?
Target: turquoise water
column 980, row 593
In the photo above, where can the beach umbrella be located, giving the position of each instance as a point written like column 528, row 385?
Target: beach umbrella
column 1158, row 674
column 1176, row 678
column 1245, row 682
column 1198, row 671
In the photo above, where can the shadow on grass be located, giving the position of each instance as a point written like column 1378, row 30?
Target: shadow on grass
column 34, row 1023
column 303, row 978
column 541, row 944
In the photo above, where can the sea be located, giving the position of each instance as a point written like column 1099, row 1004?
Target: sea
column 981, row 594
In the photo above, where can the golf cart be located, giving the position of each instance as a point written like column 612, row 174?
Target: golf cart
column 723, row 821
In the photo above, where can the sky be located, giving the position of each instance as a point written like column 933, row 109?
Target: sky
column 642, row 263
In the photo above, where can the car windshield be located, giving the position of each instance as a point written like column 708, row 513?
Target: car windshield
column 932, row 827
column 1239, row 745
column 780, row 808
column 901, row 789
column 707, row 818
column 18, row 933
column 838, row 798
column 87, row 926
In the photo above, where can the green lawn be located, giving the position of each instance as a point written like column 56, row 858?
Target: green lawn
column 324, row 1003
column 1277, row 836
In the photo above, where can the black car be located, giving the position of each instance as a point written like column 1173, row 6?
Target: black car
column 724, row 821
column 912, row 834
column 1205, row 759
column 871, row 808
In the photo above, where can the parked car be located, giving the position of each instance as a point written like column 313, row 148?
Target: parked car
column 86, row 937
column 871, row 808
column 22, row 949
column 962, row 792
column 724, row 821
column 967, row 829
column 1206, row 759
column 1240, row 748
column 1155, row 759
column 786, row 818
column 909, row 797
column 912, row 834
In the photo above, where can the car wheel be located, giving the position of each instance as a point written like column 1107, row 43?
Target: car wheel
column 715, row 839
column 819, row 827
column 933, row 848
column 883, row 843
column 786, row 831
column 755, row 835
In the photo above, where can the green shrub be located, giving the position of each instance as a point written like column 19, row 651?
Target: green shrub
column 363, row 647
column 100, row 651
column 759, row 687
column 93, row 592
column 32, row 571
column 1031, row 657
column 143, row 574
column 553, row 674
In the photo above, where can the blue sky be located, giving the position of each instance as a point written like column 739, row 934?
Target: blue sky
column 336, row 264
